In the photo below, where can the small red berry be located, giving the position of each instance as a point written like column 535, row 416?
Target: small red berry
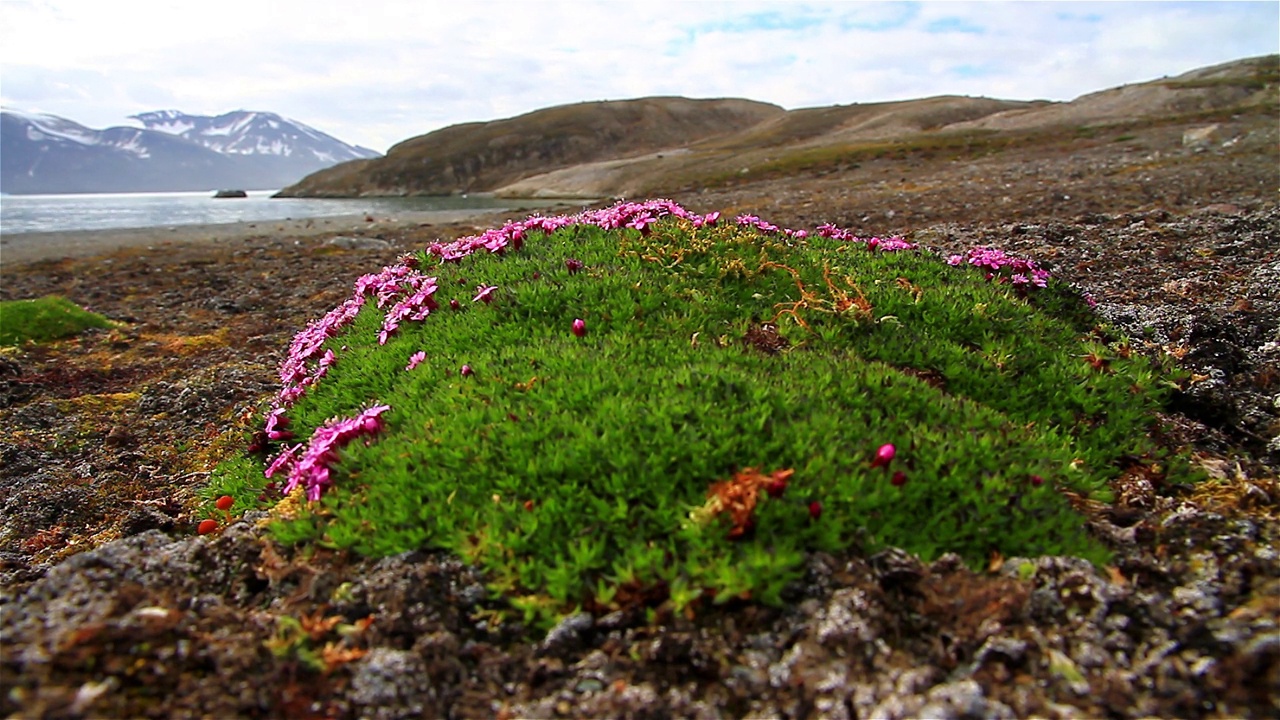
column 528, row 505
column 1036, row 481
column 225, row 502
column 815, row 510
column 899, row 479
column 207, row 526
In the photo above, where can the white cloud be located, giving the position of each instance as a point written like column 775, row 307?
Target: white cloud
column 375, row 73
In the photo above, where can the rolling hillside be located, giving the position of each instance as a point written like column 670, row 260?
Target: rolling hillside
column 480, row 157
column 664, row 145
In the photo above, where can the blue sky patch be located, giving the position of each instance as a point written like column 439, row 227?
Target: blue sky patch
column 954, row 25
column 971, row 71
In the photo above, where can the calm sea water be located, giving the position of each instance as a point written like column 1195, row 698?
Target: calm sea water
column 61, row 213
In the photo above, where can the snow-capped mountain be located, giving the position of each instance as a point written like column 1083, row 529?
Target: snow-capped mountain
column 42, row 153
column 253, row 133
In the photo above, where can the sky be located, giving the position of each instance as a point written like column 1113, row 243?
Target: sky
column 377, row 72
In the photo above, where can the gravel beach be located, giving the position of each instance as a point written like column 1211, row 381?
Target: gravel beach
column 21, row 248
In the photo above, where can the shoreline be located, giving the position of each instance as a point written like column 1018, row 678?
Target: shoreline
column 32, row 247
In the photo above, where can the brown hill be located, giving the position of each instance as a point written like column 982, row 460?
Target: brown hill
column 478, row 157
column 666, row 145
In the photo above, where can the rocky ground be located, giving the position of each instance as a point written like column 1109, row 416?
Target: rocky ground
column 113, row 607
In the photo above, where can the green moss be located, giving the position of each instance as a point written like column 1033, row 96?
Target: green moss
column 42, row 319
column 578, row 469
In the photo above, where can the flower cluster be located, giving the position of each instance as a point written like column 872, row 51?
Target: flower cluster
column 409, row 293
column 1021, row 272
column 633, row 215
column 411, row 290
column 295, row 372
column 889, row 244
column 309, row 467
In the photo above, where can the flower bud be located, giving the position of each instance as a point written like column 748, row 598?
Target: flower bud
column 579, row 327
column 884, row 455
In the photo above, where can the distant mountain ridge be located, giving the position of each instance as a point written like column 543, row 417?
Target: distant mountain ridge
column 173, row 151
column 661, row 145
column 244, row 132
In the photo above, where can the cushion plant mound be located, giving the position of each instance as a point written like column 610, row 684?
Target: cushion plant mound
column 636, row 399
column 42, row 319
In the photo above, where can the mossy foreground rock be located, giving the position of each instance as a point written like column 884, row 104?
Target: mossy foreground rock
column 642, row 403
column 42, row 319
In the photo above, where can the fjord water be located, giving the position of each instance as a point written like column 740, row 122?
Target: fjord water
column 64, row 213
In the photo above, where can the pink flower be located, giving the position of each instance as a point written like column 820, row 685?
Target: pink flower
column 573, row 265
column 415, row 360
column 277, row 420
column 454, row 305
column 284, row 461
column 466, row 371
column 642, row 223
column 884, row 455
column 484, row 293
column 579, row 327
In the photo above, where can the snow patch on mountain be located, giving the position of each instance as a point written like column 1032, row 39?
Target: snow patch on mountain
column 51, row 127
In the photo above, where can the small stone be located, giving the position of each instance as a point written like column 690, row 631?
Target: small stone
column 566, row 635
column 390, row 685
